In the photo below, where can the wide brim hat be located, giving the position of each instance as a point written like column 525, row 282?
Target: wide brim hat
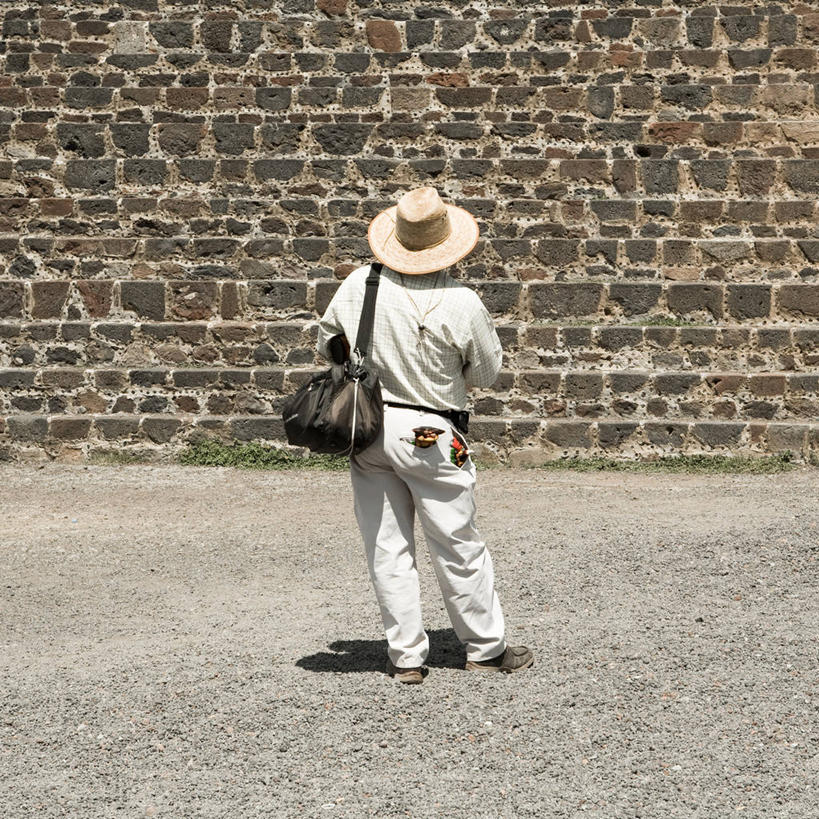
column 422, row 233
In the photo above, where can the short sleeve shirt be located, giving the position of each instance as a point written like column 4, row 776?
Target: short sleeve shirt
column 432, row 336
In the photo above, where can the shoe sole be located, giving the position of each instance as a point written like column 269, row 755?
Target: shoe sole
column 408, row 680
column 472, row 666
column 405, row 677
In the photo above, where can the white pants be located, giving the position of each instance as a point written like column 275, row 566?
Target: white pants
column 392, row 479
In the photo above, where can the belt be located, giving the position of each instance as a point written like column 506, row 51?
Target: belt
column 458, row 417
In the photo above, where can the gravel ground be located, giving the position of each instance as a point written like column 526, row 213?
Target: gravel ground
column 201, row 642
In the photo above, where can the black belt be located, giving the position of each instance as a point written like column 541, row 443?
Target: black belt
column 458, row 417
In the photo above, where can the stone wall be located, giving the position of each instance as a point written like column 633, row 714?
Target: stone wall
column 182, row 185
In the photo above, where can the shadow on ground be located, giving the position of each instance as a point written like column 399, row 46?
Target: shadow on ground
column 445, row 651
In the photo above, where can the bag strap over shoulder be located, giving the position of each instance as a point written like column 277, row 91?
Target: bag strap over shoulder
column 365, row 322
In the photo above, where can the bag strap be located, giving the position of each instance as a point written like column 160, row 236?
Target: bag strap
column 365, row 322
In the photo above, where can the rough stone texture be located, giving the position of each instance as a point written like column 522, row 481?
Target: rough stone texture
column 168, row 613
column 182, row 188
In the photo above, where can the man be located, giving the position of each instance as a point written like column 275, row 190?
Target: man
column 431, row 337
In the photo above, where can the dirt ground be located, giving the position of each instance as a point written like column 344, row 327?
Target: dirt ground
column 204, row 642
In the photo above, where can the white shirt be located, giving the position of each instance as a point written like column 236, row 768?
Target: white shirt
column 431, row 367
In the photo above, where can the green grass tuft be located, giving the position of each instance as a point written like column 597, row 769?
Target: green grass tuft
column 255, row 456
column 694, row 464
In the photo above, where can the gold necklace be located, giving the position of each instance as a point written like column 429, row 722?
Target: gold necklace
column 421, row 326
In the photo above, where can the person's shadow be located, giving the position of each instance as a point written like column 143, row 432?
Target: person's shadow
column 445, row 651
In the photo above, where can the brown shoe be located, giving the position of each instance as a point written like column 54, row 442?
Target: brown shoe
column 408, row 676
column 515, row 658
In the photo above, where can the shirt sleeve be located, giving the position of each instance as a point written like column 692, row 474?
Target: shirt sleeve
column 329, row 325
column 483, row 351
column 341, row 315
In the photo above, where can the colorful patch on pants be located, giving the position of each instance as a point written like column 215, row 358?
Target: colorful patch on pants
column 424, row 436
column 458, row 450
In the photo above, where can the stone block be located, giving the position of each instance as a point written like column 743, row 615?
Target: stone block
column 27, row 427
column 799, row 299
column 576, row 337
column 176, row 138
column 613, row 434
column 12, row 299
column 623, row 383
column 583, row 386
column 747, row 301
column 419, row 32
column 383, row 35
column 767, row 384
column 174, row 34
column 675, row 383
column 558, row 299
column 193, row 300
column 593, row 170
column 569, row 434
column 506, row 31
column 231, row 138
column 344, row 139
column 718, row 434
column 618, row 338
column 725, row 382
column 685, row 298
column 523, row 430
column 85, row 97
column 806, row 338
column 802, row 175
column 557, row 252
column 611, row 210
column 781, row 437
column 666, row 433
column 97, row 295
column 90, row 174
column 544, row 338
column 69, row 429
column 771, row 251
column 257, row 428
column 725, row 251
column 600, row 101
column 538, row 382
column 773, row 338
column 659, row 175
column 279, row 295
column 705, row 337
column 487, row 429
column 470, row 97
column 803, row 383
column 85, row 140
column 759, row 409
column 500, row 297
column 146, row 378
column 810, row 249
column 16, row 379
column 635, row 299
column 782, row 29
column 160, row 430
column 710, row 174
column 112, row 427
column 145, row 298
column 756, row 176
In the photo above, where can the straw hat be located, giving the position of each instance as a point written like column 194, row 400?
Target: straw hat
column 422, row 234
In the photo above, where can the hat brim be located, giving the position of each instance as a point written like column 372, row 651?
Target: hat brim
column 387, row 249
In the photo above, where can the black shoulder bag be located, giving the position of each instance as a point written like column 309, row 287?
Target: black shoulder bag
column 339, row 411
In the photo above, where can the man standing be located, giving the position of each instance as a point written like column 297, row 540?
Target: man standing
column 431, row 337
